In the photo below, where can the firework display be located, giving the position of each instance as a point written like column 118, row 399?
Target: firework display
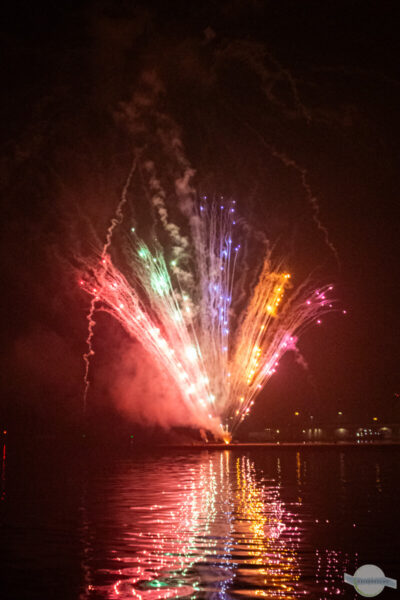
column 181, row 307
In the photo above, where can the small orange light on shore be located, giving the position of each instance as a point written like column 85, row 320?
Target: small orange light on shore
column 375, row 419
column 296, row 413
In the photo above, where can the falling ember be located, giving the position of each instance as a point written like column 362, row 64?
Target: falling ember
column 219, row 361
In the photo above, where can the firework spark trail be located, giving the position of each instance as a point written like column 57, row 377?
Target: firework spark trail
column 218, row 374
column 254, row 56
column 164, row 327
column 119, row 215
column 212, row 233
column 90, row 351
column 116, row 220
column 268, row 330
column 311, row 197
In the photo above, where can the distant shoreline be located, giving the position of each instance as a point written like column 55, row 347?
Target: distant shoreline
column 251, row 445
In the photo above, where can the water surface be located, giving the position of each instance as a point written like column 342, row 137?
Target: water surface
column 271, row 522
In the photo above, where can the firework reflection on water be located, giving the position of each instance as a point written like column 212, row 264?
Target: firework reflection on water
column 217, row 530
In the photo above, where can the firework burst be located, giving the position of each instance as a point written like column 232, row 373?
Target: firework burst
column 182, row 311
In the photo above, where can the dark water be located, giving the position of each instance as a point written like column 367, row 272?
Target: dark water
column 270, row 523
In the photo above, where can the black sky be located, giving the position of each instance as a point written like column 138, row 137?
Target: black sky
column 246, row 83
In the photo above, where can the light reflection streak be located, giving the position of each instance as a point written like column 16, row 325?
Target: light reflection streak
column 218, row 531
column 3, row 472
column 298, row 475
column 269, row 535
column 331, row 564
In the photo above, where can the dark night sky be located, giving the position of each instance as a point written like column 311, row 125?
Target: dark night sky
column 313, row 82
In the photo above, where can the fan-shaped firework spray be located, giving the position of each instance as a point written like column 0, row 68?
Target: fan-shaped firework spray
column 218, row 361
